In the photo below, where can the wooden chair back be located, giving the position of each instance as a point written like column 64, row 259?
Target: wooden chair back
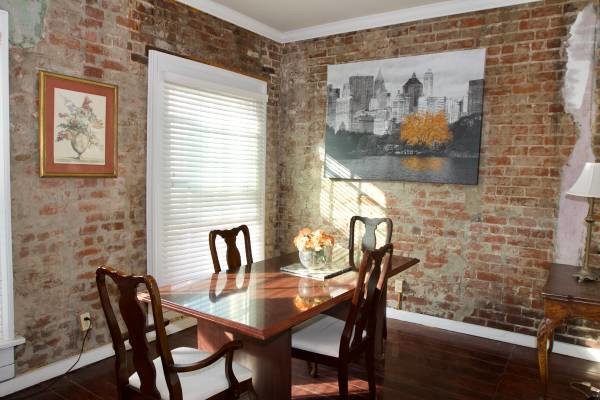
column 372, row 273
column 134, row 315
column 369, row 240
column 234, row 260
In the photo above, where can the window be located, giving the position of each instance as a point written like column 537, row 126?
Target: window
column 206, row 162
column 7, row 334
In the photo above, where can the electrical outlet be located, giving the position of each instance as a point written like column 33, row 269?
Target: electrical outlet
column 398, row 284
column 85, row 321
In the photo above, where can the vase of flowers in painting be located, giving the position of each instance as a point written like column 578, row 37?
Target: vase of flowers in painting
column 78, row 126
column 314, row 248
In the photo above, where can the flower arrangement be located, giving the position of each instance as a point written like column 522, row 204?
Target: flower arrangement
column 308, row 239
column 78, row 126
column 314, row 247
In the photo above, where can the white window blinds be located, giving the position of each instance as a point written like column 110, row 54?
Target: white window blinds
column 206, row 163
column 6, row 291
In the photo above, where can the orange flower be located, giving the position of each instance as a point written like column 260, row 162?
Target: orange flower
column 313, row 240
column 305, row 232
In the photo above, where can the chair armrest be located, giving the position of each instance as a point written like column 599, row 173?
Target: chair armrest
column 226, row 350
column 149, row 328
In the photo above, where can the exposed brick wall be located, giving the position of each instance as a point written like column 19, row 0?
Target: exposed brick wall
column 483, row 248
column 63, row 228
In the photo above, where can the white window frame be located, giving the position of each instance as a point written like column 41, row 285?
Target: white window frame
column 160, row 66
column 7, row 334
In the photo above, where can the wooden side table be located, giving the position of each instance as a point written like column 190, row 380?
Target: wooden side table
column 564, row 298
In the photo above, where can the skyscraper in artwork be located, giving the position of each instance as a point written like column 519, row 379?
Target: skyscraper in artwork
column 413, row 89
column 428, row 83
column 332, row 96
column 475, row 102
column 361, row 89
column 379, row 85
column 343, row 116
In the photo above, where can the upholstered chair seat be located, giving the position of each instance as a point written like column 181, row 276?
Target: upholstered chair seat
column 195, row 385
column 321, row 334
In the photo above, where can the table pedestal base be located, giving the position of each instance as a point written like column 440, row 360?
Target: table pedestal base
column 269, row 360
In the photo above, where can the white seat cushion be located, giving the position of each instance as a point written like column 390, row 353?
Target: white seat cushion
column 195, row 385
column 321, row 335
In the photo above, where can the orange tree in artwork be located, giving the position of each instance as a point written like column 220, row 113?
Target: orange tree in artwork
column 425, row 129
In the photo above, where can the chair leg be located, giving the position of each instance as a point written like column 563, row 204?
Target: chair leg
column 313, row 369
column 370, row 365
column 247, row 392
column 252, row 394
column 385, row 328
column 343, row 380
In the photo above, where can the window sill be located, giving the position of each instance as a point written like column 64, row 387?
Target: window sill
column 7, row 357
column 7, row 343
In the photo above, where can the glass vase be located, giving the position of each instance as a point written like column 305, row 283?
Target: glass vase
column 314, row 260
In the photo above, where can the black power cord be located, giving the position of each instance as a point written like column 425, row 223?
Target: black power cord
column 58, row 378
column 585, row 388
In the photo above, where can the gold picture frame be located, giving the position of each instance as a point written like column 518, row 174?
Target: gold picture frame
column 78, row 129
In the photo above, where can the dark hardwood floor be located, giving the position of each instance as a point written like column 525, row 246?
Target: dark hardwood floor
column 421, row 364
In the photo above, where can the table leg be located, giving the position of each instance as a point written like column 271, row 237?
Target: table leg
column 269, row 360
column 545, row 335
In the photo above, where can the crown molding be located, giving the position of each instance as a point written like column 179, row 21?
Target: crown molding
column 444, row 8
column 230, row 15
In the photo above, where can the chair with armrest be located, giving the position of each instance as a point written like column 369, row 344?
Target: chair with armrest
column 329, row 341
column 234, row 260
column 176, row 374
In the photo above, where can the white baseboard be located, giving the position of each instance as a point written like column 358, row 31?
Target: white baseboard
column 57, row 368
column 7, row 372
column 520, row 339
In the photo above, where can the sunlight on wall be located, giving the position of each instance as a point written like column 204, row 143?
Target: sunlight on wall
column 340, row 200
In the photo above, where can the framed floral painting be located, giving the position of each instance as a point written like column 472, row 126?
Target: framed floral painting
column 78, row 127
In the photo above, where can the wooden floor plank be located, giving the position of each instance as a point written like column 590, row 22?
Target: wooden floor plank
column 421, row 363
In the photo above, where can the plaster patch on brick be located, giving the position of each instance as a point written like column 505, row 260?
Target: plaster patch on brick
column 576, row 92
column 473, row 201
column 456, row 266
column 26, row 19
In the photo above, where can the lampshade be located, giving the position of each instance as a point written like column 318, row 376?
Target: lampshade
column 588, row 183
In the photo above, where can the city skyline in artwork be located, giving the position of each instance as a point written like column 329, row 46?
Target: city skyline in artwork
column 411, row 118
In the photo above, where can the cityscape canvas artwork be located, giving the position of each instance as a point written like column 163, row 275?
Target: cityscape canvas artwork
column 413, row 118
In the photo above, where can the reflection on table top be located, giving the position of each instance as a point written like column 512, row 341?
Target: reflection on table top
column 259, row 300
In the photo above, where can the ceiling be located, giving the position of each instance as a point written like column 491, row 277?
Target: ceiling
column 293, row 20
column 288, row 15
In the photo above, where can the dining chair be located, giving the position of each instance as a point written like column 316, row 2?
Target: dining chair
column 369, row 242
column 329, row 341
column 176, row 374
column 234, row 260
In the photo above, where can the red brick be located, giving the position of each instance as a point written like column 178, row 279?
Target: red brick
column 48, row 210
column 92, row 72
column 94, row 13
column 110, row 64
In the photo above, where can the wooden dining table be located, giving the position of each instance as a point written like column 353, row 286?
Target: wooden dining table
column 260, row 305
